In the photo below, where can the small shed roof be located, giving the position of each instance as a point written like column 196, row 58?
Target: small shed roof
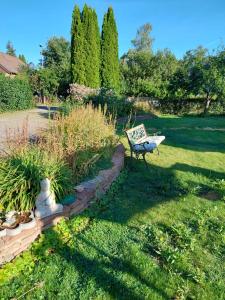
column 10, row 64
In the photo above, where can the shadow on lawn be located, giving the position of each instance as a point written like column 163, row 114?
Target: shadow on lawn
column 102, row 271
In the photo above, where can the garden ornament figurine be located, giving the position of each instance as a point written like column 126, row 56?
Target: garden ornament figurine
column 45, row 201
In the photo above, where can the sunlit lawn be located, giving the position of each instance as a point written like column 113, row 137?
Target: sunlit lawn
column 158, row 234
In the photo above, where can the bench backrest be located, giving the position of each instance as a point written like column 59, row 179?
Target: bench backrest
column 137, row 134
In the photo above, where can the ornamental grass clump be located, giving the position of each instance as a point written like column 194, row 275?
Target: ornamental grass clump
column 21, row 173
column 81, row 136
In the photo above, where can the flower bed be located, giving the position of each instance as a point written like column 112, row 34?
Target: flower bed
column 11, row 245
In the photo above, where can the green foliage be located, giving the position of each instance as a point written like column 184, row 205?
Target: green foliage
column 57, row 54
column 15, row 94
column 201, row 74
column 56, row 57
column 10, row 49
column 110, row 72
column 91, row 47
column 47, row 82
column 22, row 57
column 20, row 176
column 114, row 104
column 77, row 48
column 148, row 74
column 189, row 107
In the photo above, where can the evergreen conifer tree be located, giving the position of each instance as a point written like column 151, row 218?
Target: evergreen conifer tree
column 22, row 57
column 77, row 48
column 91, row 47
column 10, row 49
column 110, row 75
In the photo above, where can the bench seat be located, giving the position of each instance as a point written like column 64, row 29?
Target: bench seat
column 149, row 143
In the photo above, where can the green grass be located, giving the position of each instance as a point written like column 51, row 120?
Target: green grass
column 155, row 235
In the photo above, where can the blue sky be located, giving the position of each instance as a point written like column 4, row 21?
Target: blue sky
column 179, row 25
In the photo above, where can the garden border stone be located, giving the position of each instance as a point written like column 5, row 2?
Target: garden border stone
column 11, row 246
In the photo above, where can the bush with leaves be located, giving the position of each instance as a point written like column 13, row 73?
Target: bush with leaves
column 115, row 105
column 15, row 94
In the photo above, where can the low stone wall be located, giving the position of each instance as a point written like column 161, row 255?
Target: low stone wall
column 11, row 246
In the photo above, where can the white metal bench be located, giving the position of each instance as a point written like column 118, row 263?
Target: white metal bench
column 140, row 143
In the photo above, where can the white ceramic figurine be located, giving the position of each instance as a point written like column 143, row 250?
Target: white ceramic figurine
column 45, row 201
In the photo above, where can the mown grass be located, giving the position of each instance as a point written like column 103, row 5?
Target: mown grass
column 157, row 234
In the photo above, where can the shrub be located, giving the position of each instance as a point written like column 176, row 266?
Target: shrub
column 20, row 176
column 15, row 94
column 178, row 106
column 115, row 105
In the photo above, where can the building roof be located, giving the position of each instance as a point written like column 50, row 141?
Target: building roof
column 10, row 64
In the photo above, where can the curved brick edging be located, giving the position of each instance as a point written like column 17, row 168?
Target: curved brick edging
column 11, row 246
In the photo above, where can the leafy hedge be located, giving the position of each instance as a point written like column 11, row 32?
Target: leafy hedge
column 189, row 106
column 15, row 94
column 179, row 106
column 115, row 105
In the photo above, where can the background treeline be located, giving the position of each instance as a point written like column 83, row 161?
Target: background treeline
column 91, row 59
column 199, row 76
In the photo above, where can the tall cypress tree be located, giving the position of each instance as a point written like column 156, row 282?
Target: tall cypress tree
column 77, row 48
column 91, row 47
column 110, row 76
column 97, row 50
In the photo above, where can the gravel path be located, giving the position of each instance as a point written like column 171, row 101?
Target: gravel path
column 35, row 119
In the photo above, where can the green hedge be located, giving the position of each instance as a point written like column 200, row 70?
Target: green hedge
column 115, row 105
column 15, row 94
column 191, row 106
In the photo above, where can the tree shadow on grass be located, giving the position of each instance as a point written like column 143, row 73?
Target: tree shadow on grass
column 146, row 187
column 97, row 269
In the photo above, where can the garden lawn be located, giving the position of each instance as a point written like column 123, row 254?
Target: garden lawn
column 157, row 234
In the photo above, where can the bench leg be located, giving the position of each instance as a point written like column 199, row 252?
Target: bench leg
column 131, row 153
column 145, row 159
column 157, row 150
